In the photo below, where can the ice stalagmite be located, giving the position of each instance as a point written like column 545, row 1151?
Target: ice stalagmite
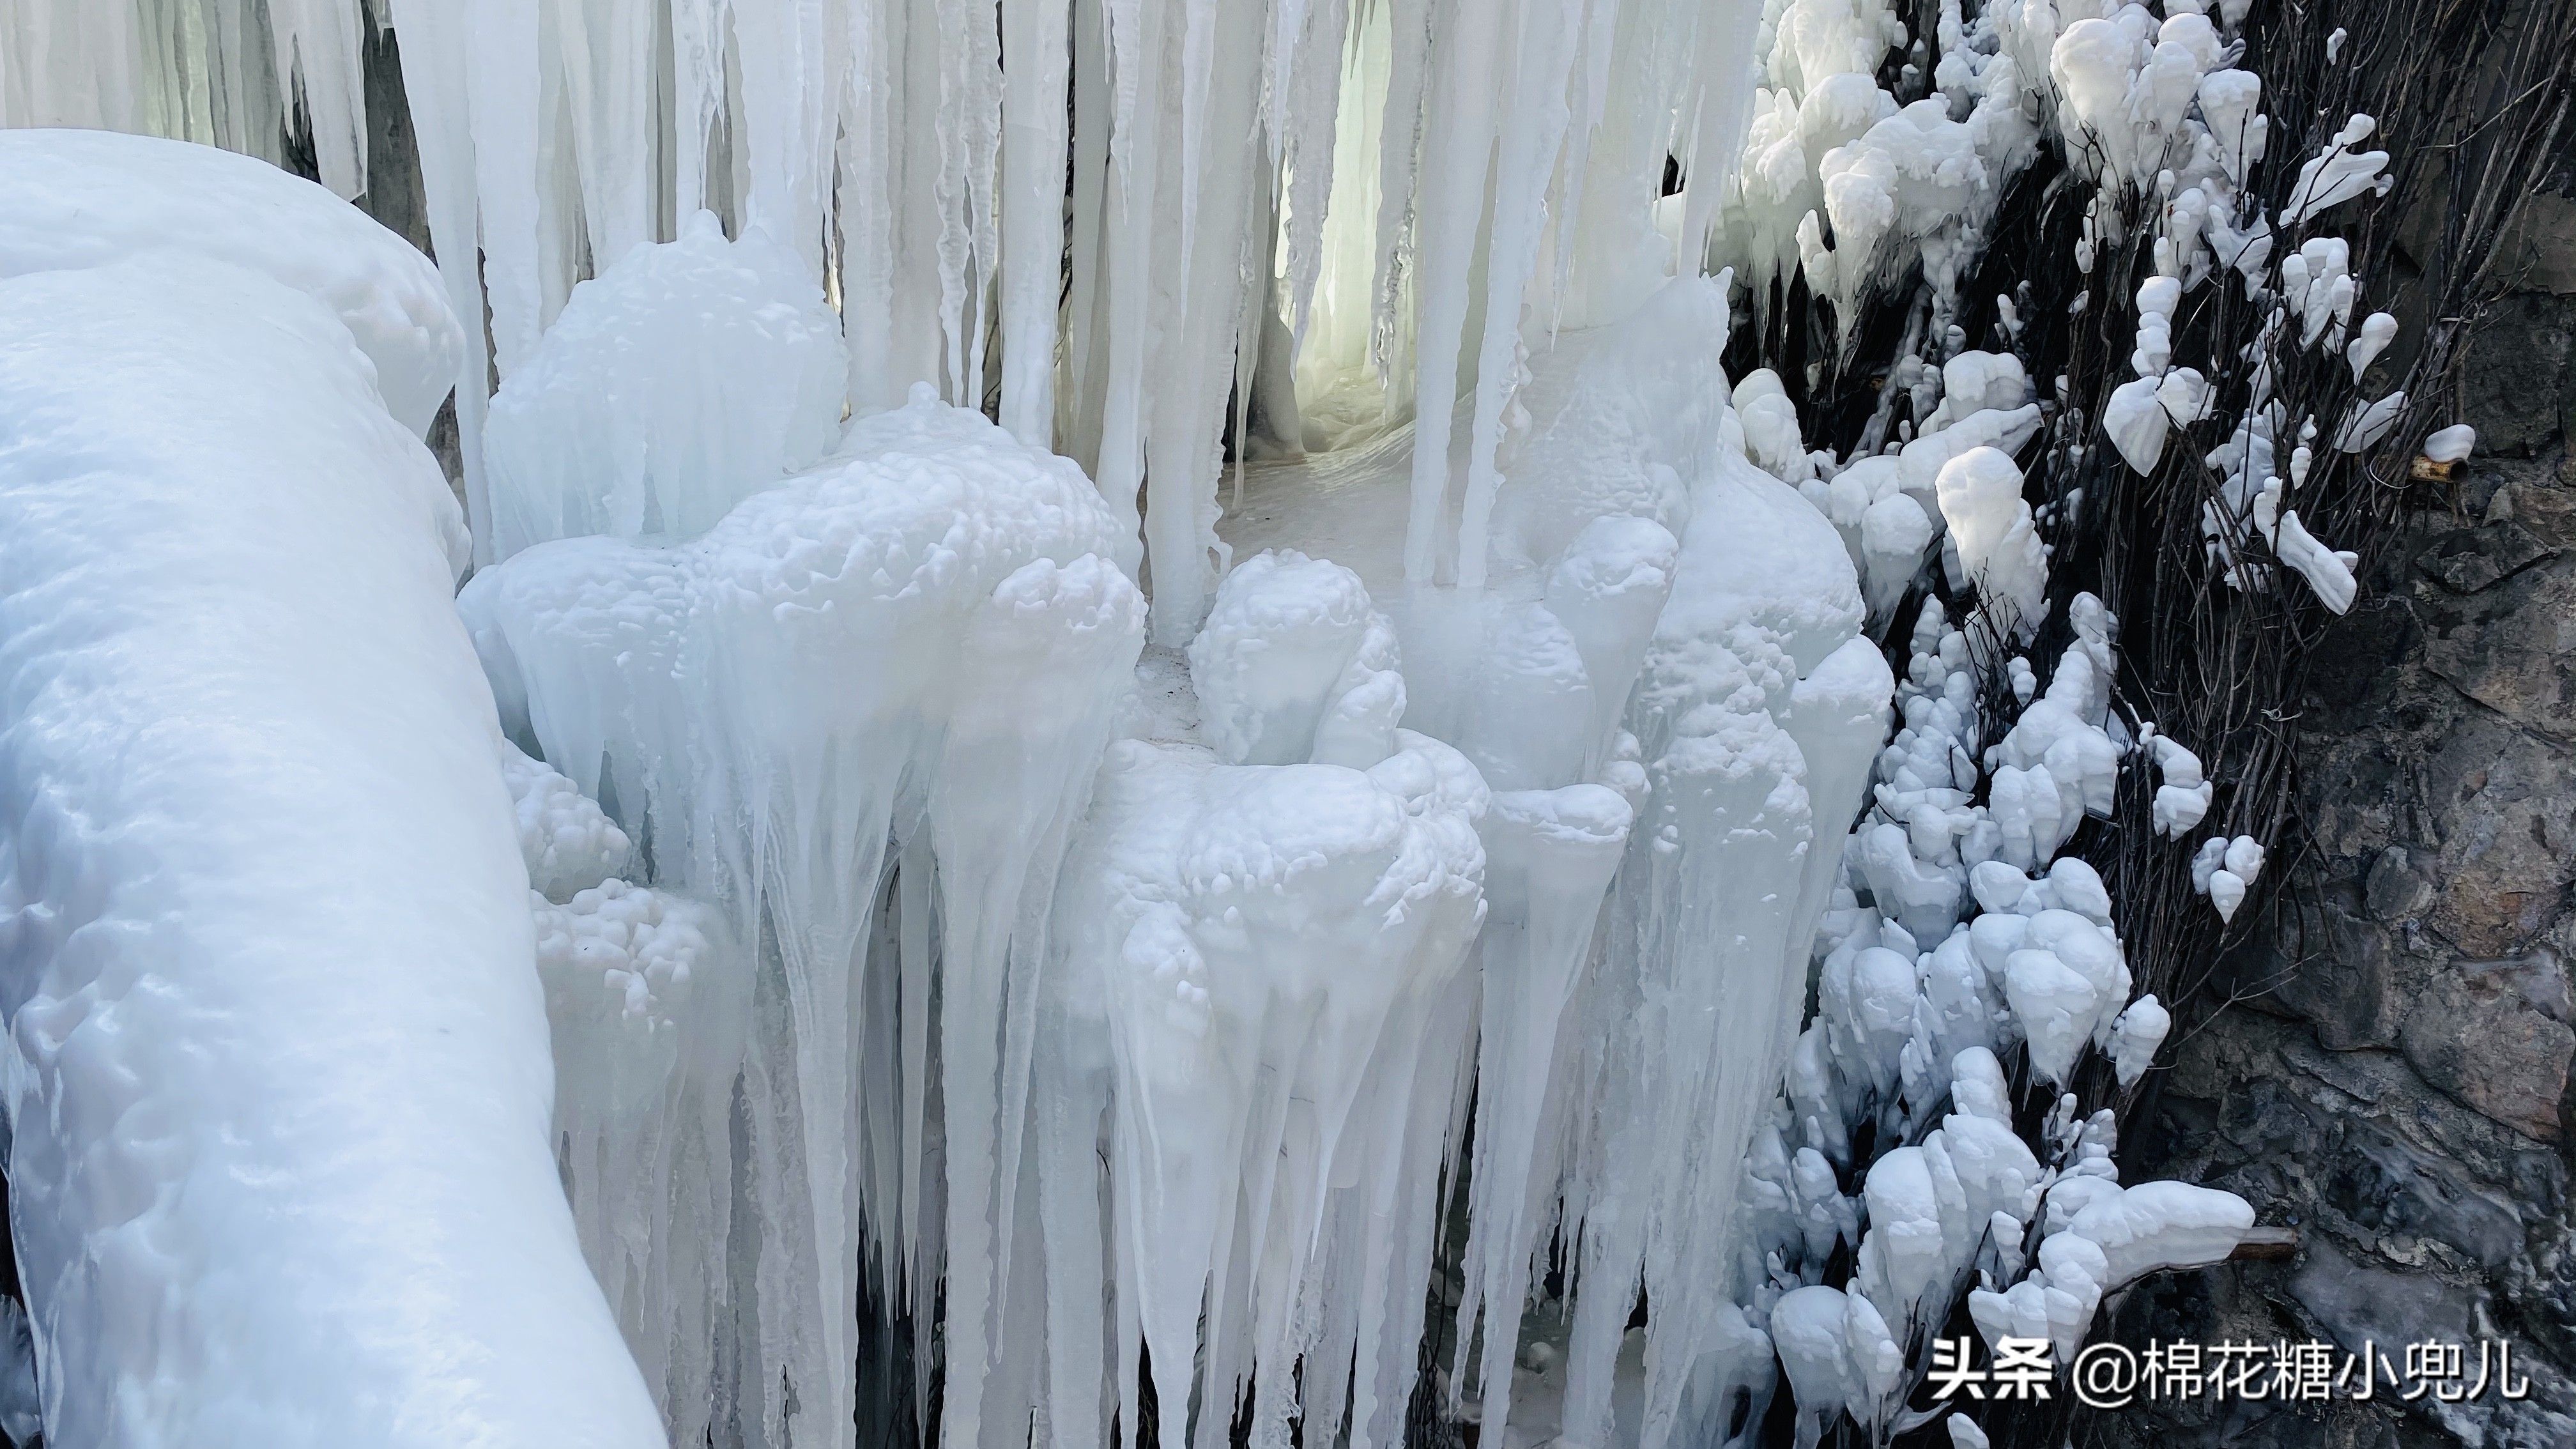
column 279, row 1071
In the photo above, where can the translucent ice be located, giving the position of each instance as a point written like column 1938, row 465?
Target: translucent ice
column 597, row 432
column 569, row 843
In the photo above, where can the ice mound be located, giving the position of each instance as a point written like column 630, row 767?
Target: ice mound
column 279, row 1067
column 599, row 432
column 87, row 198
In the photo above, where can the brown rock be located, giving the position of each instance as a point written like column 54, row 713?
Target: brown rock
column 2477, row 1037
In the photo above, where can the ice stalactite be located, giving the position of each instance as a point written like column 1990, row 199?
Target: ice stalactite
column 1227, row 167
column 1707, row 935
column 918, row 635
column 1282, row 950
column 224, row 72
column 649, row 1026
column 1218, row 1063
column 1666, row 723
column 913, row 951
column 279, row 1071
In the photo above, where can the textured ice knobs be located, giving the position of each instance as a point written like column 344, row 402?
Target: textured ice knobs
column 1980, row 493
column 570, row 843
column 1294, row 663
column 2135, row 1035
column 2224, row 870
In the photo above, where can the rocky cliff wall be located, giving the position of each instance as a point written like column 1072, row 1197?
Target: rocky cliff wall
column 2393, row 1078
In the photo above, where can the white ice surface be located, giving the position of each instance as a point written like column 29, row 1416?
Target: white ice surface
column 277, row 1065
column 83, row 198
column 569, row 843
column 914, row 651
column 680, row 381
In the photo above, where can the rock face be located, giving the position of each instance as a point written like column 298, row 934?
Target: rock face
column 2395, row 1079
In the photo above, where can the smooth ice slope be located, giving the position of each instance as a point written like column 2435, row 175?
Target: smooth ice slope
column 277, row 1068
column 83, row 198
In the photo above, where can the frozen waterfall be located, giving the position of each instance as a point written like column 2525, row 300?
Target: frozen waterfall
column 1179, row 756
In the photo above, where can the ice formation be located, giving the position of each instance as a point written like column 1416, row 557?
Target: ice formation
column 597, row 432
column 89, row 198
column 2451, row 444
column 278, row 1066
column 1083, row 907
column 920, row 636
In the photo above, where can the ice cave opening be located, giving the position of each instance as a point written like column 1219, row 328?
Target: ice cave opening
column 1124, row 721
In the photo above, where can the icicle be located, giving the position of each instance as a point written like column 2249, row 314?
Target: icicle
column 502, row 64
column 317, row 46
column 1551, row 855
column 1136, row 35
column 1541, row 55
column 1034, row 136
column 608, row 47
column 1456, row 149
